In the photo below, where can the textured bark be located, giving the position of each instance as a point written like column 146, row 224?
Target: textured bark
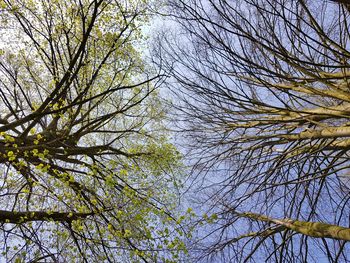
column 313, row 229
column 22, row 217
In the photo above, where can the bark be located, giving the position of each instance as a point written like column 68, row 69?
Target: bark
column 22, row 217
column 313, row 229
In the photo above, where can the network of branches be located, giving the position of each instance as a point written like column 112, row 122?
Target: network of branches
column 262, row 97
column 86, row 167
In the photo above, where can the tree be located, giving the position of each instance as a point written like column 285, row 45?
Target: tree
column 262, row 91
column 86, row 166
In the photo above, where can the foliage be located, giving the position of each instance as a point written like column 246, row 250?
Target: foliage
column 87, row 169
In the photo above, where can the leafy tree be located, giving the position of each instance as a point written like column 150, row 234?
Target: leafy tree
column 262, row 91
column 86, row 165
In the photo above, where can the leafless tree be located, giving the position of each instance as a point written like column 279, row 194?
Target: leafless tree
column 263, row 99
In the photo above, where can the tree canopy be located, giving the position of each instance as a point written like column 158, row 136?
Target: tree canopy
column 259, row 95
column 87, row 169
column 262, row 96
